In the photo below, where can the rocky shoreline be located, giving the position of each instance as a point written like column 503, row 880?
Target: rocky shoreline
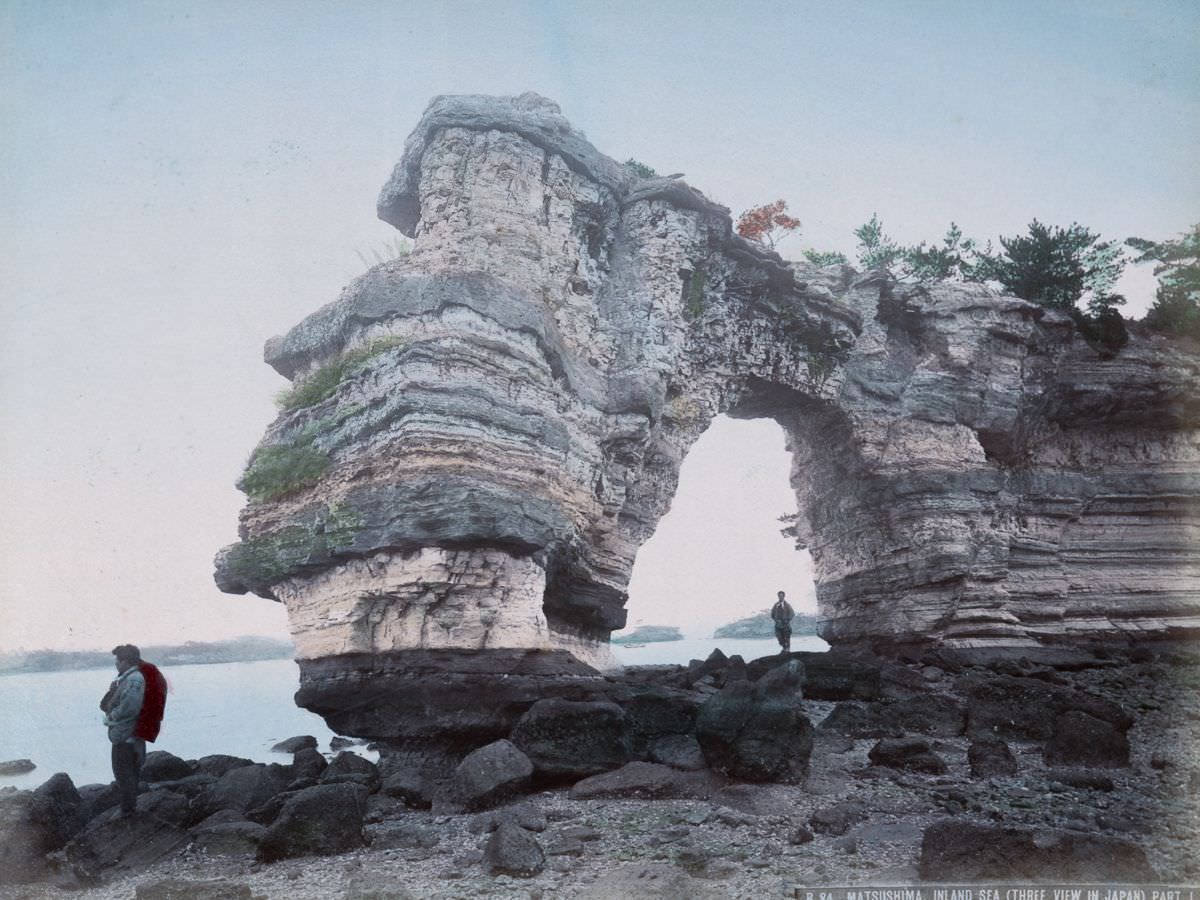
column 813, row 769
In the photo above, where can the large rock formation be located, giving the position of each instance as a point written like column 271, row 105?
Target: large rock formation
column 506, row 409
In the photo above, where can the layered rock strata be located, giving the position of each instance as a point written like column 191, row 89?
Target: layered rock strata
column 512, row 400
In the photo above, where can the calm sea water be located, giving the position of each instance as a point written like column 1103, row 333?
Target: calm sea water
column 241, row 709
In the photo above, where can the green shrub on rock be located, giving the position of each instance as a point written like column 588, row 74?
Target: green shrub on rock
column 281, row 469
column 321, row 384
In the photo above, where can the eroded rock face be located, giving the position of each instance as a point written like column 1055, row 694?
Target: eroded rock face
column 529, row 378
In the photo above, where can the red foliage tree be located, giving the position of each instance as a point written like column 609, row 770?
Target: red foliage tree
column 767, row 223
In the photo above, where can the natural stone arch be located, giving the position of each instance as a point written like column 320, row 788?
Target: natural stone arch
column 527, row 381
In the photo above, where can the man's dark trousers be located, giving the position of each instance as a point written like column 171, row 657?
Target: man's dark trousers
column 127, row 767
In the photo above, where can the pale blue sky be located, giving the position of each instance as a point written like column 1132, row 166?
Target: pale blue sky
column 181, row 181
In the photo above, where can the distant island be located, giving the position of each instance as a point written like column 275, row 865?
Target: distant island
column 760, row 625
column 650, row 634
column 240, row 649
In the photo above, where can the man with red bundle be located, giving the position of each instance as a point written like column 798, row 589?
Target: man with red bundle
column 133, row 710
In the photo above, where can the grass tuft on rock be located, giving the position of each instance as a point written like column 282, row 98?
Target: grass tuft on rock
column 321, row 384
column 282, row 469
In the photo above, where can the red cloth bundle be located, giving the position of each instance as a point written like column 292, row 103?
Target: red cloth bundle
column 154, row 702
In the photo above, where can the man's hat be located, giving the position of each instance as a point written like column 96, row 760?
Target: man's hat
column 127, row 652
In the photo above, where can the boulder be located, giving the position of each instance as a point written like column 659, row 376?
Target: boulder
column 34, row 823
column 96, row 798
column 191, row 786
column 826, row 676
column 653, row 714
column 837, row 819
column 757, row 731
column 21, row 845
column 571, row 739
column 16, row 767
column 511, row 850
column 238, row 838
column 714, row 663
column 681, row 751
column 57, row 811
column 240, row 789
column 956, row 851
column 1027, row 709
column 636, row 779
column 912, row 754
column 309, row 762
column 1085, row 741
column 160, row 765
column 526, row 815
column 292, row 744
column 352, row 768
column 490, row 775
column 218, row 764
column 409, row 786
column 112, row 844
column 322, row 820
column 171, row 807
column 800, row 835
column 990, row 756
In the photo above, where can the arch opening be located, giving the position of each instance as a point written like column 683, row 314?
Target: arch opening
column 719, row 554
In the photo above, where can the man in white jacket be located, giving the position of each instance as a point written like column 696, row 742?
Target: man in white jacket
column 122, row 705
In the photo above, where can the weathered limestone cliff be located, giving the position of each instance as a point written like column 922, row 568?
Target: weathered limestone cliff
column 511, row 403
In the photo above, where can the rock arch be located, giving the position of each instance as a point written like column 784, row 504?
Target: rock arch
column 512, row 400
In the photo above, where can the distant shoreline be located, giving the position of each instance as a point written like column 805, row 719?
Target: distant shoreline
column 241, row 649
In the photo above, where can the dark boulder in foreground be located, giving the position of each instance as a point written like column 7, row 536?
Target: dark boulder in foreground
column 757, row 731
column 324, row 819
column 990, row 756
column 490, row 775
column 1085, row 741
column 409, row 786
column 241, row 789
column 826, row 676
column 112, row 844
column 511, row 850
column 21, row 853
column 57, row 811
column 960, row 851
column 569, row 739
column 913, row 754
column 1027, row 708
column 34, row 823
column 226, row 834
